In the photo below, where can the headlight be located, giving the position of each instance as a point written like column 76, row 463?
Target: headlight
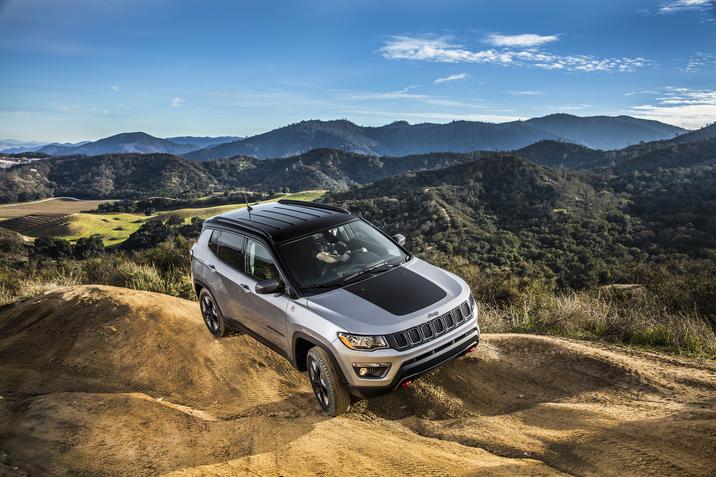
column 363, row 343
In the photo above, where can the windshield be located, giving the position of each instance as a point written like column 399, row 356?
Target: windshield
column 340, row 255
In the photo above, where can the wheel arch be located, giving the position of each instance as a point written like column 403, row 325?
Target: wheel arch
column 301, row 343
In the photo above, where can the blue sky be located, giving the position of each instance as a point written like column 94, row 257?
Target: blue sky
column 85, row 69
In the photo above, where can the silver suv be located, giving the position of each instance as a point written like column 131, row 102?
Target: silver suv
column 333, row 294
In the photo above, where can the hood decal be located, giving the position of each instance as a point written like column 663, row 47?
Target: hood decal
column 398, row 291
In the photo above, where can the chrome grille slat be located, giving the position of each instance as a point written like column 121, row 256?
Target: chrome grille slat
column 432, row 329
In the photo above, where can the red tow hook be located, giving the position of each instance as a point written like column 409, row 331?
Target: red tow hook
column 470, row 350
column 406, row 384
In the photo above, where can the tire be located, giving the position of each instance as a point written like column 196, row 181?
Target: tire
column 213, row 319
column 327, row 387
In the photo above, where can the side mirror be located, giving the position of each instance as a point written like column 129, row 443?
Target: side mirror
column 399, row 239
column 270, row 285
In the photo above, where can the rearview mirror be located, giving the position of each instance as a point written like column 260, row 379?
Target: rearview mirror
column 399, row 239
column 270, row 285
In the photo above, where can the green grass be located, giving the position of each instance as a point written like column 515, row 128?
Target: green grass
column 115, row 228
column 206, row 212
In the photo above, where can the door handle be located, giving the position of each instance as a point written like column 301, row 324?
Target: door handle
column 246, row 288
column 212, row 267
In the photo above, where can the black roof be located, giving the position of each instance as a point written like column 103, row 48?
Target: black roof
column 284, row 220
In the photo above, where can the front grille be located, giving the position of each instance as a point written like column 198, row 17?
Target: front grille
column 429, row 330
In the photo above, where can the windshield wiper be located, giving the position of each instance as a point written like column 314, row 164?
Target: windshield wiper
column 334, row 283
column 374, row 268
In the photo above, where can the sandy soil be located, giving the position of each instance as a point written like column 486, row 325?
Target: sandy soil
column 107, row 381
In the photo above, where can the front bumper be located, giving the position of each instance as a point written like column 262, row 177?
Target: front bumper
column 409, row 364
column 411, row 369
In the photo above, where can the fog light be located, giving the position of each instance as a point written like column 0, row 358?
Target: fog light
column 371, row 370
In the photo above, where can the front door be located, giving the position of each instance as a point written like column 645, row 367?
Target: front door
column 269, row 310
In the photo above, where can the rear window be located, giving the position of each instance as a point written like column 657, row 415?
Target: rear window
column 231, row 249
column 214, row 241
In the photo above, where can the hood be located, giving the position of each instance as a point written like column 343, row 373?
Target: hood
column 399, row 298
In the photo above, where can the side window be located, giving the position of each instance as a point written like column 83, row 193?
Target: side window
column 259, row 262
column 231, row 250
column 214, row 241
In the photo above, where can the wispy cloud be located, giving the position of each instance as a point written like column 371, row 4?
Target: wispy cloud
column 456, row 77
column 643, row 91
column 527, row 93
column 681, row 5
column 689, row 108
column 525, row 40
column 115, row 87
column 368, row 95
column 67, row 108
column 441, row 50
column 177, row 102
column 435, row 116
column 700, row 61
column 405, row 94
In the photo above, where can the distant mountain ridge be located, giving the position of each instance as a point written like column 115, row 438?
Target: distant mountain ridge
column 131, row 142
column 138, row 142
column 200, row 142
column 401, row 138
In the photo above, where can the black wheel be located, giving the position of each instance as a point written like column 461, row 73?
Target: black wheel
column 211, row 314
column 330, row 393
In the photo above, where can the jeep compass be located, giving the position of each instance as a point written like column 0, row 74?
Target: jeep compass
column 335, row 295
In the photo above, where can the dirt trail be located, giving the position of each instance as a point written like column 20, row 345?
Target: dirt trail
column 102, row 380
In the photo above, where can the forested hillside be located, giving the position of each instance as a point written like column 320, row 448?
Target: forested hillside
column 579, row 229
column 119, row 176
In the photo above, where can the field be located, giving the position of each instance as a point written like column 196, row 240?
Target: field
column 64, row 218
column 61, row 205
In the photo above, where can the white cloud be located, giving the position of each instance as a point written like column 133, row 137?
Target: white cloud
column 456, row 77
column 526, row 93
column 115, row 87
column 440, row 50
column 681, row 5
column 520, row 41
column 177, row 102
column 688, row 108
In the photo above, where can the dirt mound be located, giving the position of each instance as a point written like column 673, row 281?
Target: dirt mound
column 113, row 381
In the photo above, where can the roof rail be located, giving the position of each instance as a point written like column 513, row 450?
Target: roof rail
column 240, row 224
column 315, row 205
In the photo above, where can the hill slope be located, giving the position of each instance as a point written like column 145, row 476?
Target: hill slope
column 108, row 176
column 179, row 400
column 401, row 138
column 136, row 175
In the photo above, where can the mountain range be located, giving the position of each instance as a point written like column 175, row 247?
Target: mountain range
column 134, row 175
column 395, row 139
column 401, row 138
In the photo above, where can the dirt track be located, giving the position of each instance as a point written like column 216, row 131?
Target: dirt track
column 102, row 380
